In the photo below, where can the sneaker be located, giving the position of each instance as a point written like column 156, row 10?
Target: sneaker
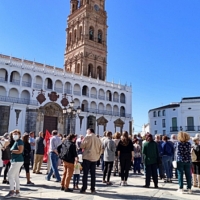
column 68, row 190
column 38, row 172
column 4, row 181
column 122, row 183
column 125, row 183
column 17, row 194
column 82, row 191
column 30, row 183
column 62, row 188
column 189, row 191
column 180, row 191
column 93, row 192
column 10, row 195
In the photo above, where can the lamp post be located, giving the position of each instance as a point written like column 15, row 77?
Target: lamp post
column 70, row 112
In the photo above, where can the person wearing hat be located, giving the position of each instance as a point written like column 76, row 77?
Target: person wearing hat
column 195, row 153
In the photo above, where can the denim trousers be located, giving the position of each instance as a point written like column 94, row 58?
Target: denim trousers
column 54, row 166
column 167, row 162
column 137, row 162
column 183, row 167
column 76, row 178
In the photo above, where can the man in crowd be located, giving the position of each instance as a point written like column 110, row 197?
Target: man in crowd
column 39, row 153
column 92, row 150
column 32, row 143
column 160, row 167
column 55, row 141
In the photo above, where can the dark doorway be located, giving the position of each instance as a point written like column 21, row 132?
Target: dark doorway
column 50, row 123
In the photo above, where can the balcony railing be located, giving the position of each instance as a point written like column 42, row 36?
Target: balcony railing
column 46, row 87
column 68, row 91
column 174, row 129
column 122, row 101
column 78, row 93
column 101, row 97
column 108, row 99
column 106, row 112
column 94, row 96
column 37, row 86
column 26, row 84
column 116, row 100
column 18, row 100
column 85, row 94
column 15, row 82
column 3, row 80
column 190, row 128
column 59, row 90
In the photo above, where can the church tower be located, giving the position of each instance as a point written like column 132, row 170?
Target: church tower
column 86, row 43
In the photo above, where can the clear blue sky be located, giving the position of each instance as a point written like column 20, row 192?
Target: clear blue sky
column 153, row 44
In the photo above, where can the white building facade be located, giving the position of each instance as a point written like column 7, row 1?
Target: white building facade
column 175, row 117
column 34, row 96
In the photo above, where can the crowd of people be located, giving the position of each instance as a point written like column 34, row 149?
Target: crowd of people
column 157, row 157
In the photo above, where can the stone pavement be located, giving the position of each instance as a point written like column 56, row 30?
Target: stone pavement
column 50, row 190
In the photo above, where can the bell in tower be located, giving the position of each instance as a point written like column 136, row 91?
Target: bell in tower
column 74, row 5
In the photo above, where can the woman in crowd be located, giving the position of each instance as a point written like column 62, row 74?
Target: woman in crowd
column 196, row 162
column 116, row 139
column 126, row 154
column 2, row 143
column 183, row 157
column 67, row 152
column 27, row 157
column 6, row 156
column 109, row 156
column 167, row 153
column 151, row 159
column 17, row 161
column 137, row 156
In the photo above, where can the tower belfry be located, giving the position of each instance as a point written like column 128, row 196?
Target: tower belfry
column 86, row 43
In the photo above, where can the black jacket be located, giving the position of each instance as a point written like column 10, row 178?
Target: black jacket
column 27, row 151
column 67, row 151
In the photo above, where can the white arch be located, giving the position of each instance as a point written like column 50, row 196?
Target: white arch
column 2, row 91
column 58, row 87
column 13, row 92
column 26, row 80
column 68, row 88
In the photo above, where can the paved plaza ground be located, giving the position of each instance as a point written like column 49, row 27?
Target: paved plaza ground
column 50, row 190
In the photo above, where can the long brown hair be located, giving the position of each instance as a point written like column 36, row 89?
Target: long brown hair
column 125, row 139
column 25, row 138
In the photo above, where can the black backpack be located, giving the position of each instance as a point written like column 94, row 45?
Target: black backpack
column 64, row 151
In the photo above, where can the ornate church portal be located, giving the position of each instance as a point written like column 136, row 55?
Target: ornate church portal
column 50, row 117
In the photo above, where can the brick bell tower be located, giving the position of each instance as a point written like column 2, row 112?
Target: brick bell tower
column 86, row 43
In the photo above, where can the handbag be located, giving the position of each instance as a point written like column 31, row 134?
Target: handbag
column 174, row 162
column 193, row 156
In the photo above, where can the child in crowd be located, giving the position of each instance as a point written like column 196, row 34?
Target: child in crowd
column 77, row 171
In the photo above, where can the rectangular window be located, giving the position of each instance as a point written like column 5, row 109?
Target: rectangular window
column 174, row 124
column 164, row 132
column 190, row 124
column 163, row 123
column 154, row 122
column 155, row 132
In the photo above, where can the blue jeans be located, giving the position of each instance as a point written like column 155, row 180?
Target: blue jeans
column 184, row 167
column 137, row 162
column 76, row 178
column 167, row 162
column 54, row 166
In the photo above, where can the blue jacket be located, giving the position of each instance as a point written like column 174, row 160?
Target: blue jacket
column 167, row 149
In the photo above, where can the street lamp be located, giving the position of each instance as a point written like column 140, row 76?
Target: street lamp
column 70, row 112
